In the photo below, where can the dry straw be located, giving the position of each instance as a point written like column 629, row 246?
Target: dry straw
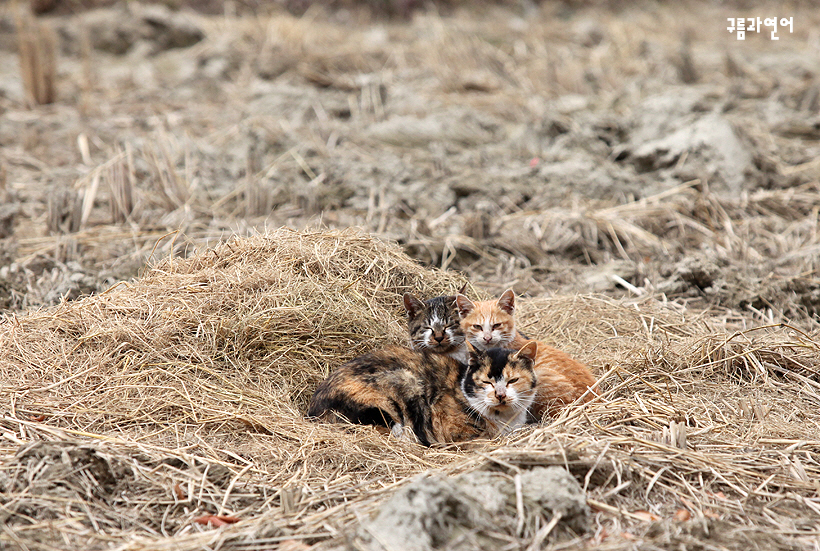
column 37, row 46
column 130, row 414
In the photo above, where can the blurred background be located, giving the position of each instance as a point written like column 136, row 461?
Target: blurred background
column 624, row 148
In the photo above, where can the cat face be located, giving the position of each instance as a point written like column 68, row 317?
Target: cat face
column 500, row 384
column 490, row 323
column 434, row 324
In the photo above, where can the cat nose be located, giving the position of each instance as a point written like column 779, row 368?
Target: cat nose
column 439, row 338
column 488, row 338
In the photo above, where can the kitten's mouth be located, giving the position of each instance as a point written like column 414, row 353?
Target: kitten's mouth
column 444, row 345
column 481, row 344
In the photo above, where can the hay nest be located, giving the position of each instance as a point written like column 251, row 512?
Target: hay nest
column 216, row 355
column 242, row 331
column 132, row 414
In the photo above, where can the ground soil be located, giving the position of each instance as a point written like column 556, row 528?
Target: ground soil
column 554, row 148
column 491, row 140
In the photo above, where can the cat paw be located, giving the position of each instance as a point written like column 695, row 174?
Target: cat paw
column 403, row 433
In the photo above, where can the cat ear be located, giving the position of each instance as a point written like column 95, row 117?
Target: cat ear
column 472, row 352
column 507, row 301
column 463, row 288
column 412, row 305
column 465, row 305
column 528, row 351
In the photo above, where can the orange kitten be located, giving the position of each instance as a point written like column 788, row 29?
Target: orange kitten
column 490, row 323
column 560, row 379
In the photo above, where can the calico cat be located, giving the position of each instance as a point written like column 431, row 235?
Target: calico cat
column 560, row 379
column 436, row 397
column 434, row 325
column 500, row 385
column 400, row 389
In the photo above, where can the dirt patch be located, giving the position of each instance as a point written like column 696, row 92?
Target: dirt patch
column 708, row 533
column 464, row 136
column 100, row 488
column 690, row 137
column 64, row 466
column 157, row 329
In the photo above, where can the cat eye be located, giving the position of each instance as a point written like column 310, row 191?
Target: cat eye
column 496, row 326
column 477, row 327
column 486, row 382
column 513, row 380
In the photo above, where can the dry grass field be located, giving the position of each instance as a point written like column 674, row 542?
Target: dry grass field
column 202, row 213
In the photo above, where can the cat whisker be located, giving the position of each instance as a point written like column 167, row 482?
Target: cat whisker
column 474, row 415
column 481, row 408
column 520, row 406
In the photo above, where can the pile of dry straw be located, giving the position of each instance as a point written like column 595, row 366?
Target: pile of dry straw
column 130, row 414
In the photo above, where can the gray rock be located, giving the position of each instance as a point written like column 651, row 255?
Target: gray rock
column 8, row 213
column 492, row 490
column 167, row 29
column 466, row 511
column 456, row 127
column 710, row 139
column 684, row 126
column 116, row 31
column 553, row 489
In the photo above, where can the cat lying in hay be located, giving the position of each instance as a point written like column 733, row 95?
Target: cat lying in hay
column 449, row 324
column 469, row 374
column 561, row 379
column 435, row 397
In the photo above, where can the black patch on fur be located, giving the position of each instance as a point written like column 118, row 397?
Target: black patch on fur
column 361, row 414
column 499, row 358
column 407, row 381
column 419, row 413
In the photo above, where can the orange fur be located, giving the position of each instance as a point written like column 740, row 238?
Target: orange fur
column 490, row 323
column 560, row 379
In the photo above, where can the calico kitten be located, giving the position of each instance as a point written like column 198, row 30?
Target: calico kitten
column 400, row 389
column 560, row 379
column 434, row 326
column 500, row 385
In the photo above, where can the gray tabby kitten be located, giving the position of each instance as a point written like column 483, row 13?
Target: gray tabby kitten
column 434, row 326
